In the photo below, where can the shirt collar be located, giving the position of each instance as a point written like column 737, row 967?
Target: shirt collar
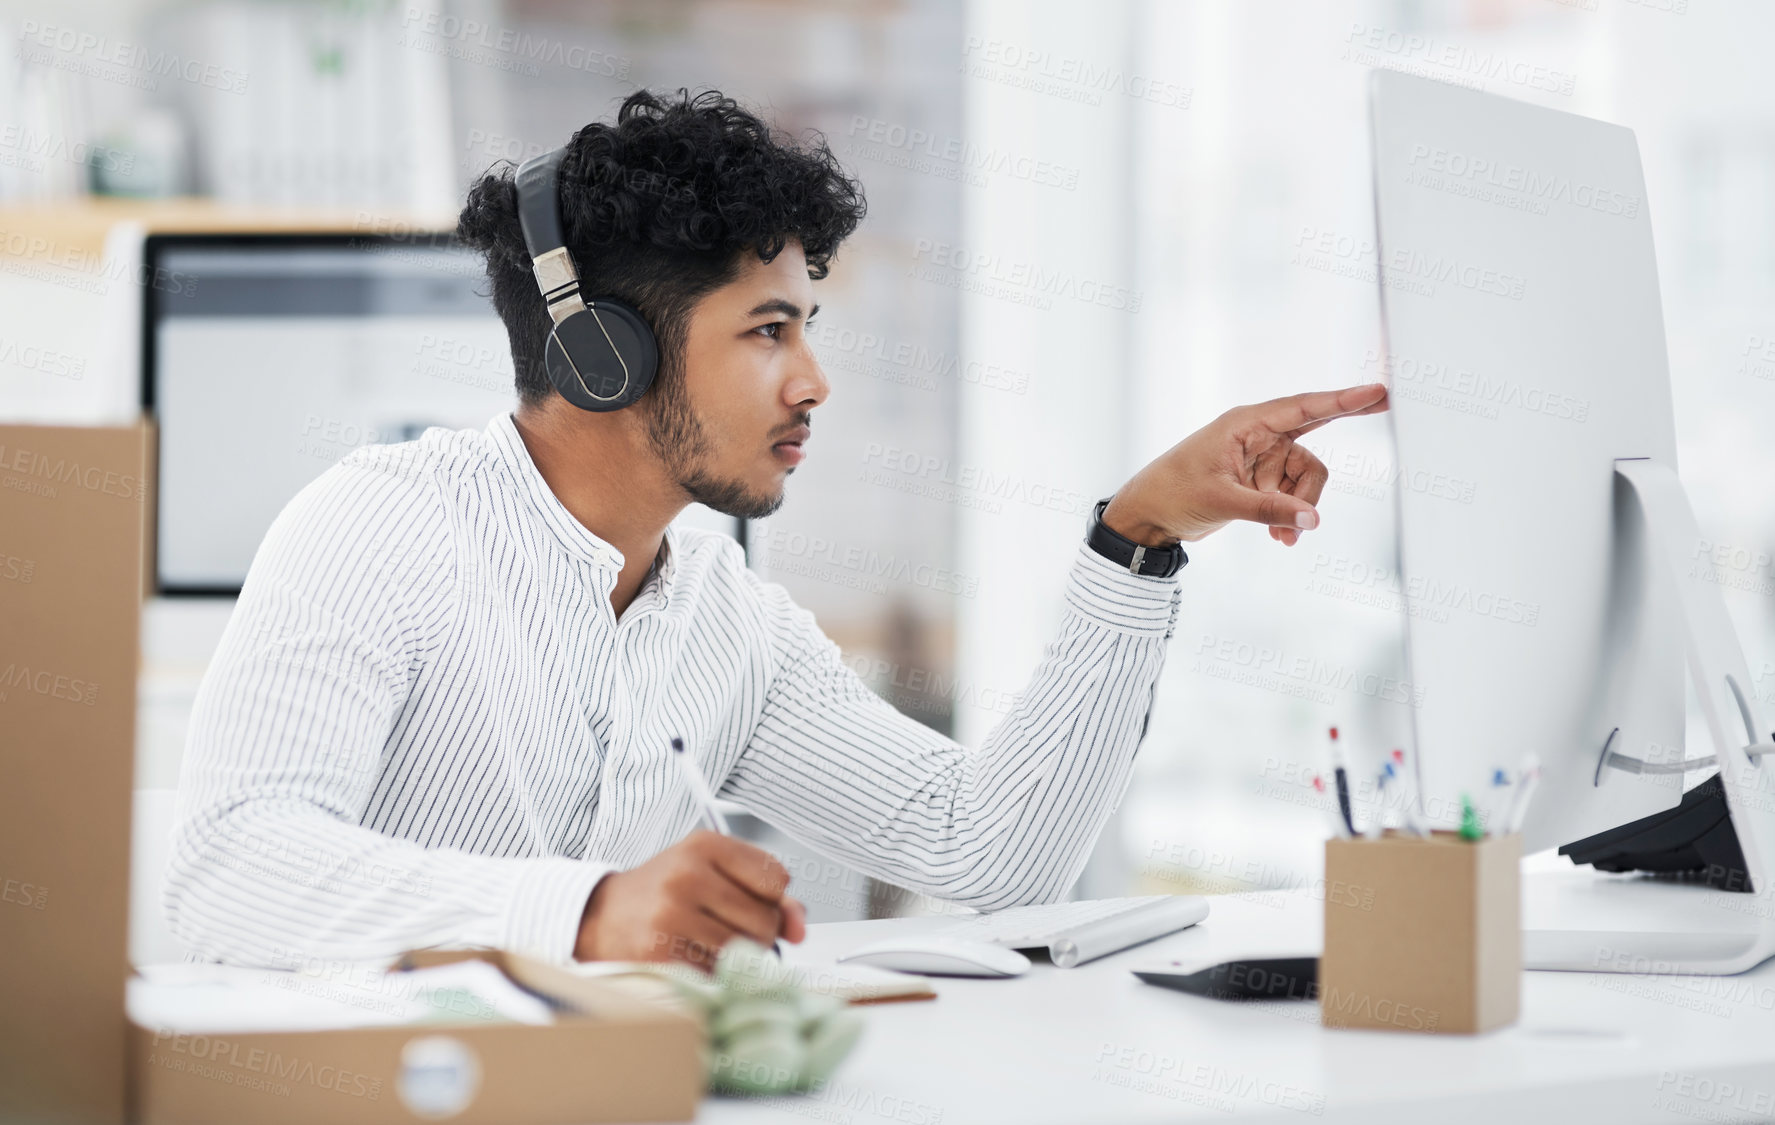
column 577, row 539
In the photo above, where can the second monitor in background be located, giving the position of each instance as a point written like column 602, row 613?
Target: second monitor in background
column 268, row 357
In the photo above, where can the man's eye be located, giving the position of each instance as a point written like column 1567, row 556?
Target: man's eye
column 773, row 329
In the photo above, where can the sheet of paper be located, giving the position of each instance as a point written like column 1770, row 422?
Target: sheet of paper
column 213, row 999
column 853, row 983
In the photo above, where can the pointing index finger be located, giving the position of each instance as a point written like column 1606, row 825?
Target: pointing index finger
column 1303, row 413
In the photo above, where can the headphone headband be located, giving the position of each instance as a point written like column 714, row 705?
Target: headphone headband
column 539, row 213
column 587, row 334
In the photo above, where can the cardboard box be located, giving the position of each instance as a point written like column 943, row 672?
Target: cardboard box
column 73, row 519
column 621, row 1060
column 72, row 504
column 1422, row 934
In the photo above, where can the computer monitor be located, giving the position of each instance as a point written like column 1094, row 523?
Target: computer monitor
column 1525, row 349
column 280, row 354
column 1540, row 546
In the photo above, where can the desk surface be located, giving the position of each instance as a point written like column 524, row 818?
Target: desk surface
column 1094, row 1044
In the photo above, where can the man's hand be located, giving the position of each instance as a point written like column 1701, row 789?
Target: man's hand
column 1244, row 465
column 687, row 901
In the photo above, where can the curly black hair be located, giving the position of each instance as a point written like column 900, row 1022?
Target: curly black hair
column 658, row 210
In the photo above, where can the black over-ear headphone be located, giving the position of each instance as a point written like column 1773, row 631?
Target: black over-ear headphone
column 601, row 355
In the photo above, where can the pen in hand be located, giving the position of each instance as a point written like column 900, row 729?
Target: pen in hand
column 699, row 788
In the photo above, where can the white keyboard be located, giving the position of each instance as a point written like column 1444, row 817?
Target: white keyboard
column 1025, row 927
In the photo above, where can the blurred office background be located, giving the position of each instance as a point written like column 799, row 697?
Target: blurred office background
column 1091, row 230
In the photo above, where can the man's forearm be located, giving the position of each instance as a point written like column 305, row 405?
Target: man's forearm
column 834, row 765
column 270, row 884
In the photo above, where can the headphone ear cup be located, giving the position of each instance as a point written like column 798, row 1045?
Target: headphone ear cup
column 603, row 358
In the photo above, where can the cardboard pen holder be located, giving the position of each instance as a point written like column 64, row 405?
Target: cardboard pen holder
column 1422, row 934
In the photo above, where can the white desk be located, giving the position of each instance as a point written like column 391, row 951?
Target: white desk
column 1094, row 1044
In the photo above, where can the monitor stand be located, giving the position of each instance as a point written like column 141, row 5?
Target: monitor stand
column 1694, row 842
column 1728, row 703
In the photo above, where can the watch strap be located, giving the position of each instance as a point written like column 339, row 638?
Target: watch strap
column 1137, row 558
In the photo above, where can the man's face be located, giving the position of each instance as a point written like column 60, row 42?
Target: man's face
column 730, row 428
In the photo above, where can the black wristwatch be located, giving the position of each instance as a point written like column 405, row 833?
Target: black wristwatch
column 1154, row 562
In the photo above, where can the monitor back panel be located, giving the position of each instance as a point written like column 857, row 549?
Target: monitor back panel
column 1525, row 351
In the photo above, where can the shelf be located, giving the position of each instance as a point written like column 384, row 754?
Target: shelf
column 76, row 229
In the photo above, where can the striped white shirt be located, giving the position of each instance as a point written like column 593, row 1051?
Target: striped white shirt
column 424, row 663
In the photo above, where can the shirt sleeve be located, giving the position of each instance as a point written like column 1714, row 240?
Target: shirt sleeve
column 270, row 863
column 836, row 766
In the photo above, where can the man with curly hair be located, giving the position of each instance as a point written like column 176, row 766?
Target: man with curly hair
column 443, row 708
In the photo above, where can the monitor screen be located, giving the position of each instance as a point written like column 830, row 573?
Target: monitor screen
column 285, row 355
column 289, row 351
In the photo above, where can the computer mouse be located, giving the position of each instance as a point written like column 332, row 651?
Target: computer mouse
column 940, row 956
